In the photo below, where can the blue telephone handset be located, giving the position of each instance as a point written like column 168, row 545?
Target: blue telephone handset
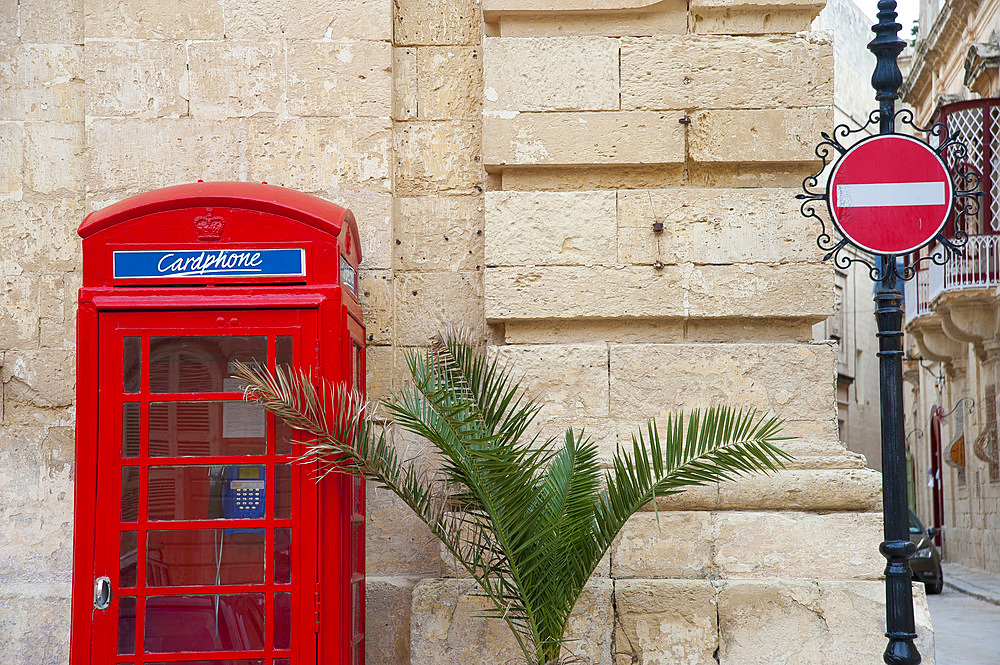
column 244, row 494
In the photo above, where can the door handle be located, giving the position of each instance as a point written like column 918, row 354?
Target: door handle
column 102, row 593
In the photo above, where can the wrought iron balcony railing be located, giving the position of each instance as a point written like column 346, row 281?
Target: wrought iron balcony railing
column 979, row 267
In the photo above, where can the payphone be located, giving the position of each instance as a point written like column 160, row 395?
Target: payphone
column 198, row 537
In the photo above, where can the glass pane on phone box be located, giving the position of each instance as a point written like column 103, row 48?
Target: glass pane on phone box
column 196, row 492
column 127, row 558
column 131, row 364
column 283, row 350
column 183, row 429
column 130, row 494
column 283, row 555
column 284, row 436
column 209, row 622
column 130, row 429
column 201, row 364
column 283, row 491
column 282, row 620
column 193, row 557
column 126, row 625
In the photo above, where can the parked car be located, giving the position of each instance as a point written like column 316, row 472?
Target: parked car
column 926, row 563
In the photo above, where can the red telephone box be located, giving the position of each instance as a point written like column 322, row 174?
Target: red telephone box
column 198, row 540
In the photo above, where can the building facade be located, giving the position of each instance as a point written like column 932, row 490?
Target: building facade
column 509, row 164
column 852, row 326
column 952, row 310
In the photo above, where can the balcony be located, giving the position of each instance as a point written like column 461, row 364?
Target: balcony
column 950, row 306
column 979, row 267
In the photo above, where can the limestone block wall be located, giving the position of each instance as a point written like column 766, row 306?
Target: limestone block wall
column 600, row 119
column 506, row 160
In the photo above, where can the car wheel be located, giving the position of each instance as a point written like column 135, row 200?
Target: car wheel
column 935, row 587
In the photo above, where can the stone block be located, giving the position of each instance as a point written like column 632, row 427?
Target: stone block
column 447, row 626
column 795, row 545
column 19, row 315
column 428, row 303
column 131, row 153
column 375, row 295
column 550, row 74
column 574, row 139
column 739, row 17
column 53, row 157
column 694, row 71
column 57, row 324
column 760, row 290
column 315, row 154
column 12, row 164
column 654, row 380
column 437, row 22
column 41, row 82
column 438, row 157
column 550, row 228
column 170, row 19
column 557, row 292
column 807, row 623
column 35, row 623
column 51, row 21
column 387, row 620
column 140, row 79
column 39, row 378
column 39, row 233
column 668, row 17
column 449, row 82
column 570, row 292
column 805, row 489
column 569, row 381
column 438, row 233
column 396, row 541
column 236, row 79
column 338, row 79
column 36, row 532
column 666, row 622
column 310, row 154
column 379, row 367
column 770, row 135
column 674, row 544
column 8, row 21
column 404, row 83
column 713, row 226
column 309, row 19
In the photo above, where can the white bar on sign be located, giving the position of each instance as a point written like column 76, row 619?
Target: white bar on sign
column 881, row 195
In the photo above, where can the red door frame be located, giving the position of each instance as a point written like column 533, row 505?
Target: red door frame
column 114, row 326
column 937, row 490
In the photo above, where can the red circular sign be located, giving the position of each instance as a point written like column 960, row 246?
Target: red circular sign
column 890, row 194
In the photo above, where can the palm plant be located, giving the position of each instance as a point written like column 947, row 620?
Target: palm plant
column 528, row 520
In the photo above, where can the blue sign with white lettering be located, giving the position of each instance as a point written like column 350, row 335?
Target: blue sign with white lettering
column 194, row 264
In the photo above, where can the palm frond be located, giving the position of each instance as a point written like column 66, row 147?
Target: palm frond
column 529, row 520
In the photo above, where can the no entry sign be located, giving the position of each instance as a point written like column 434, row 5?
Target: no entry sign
column 890, row 194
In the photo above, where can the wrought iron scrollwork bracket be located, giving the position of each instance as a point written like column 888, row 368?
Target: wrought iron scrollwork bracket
column 844, row 253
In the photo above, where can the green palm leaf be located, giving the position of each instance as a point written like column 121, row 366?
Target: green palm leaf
column 529, row 520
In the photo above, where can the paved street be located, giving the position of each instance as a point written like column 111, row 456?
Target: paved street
column 966, row 629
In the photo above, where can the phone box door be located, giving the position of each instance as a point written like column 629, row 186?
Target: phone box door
column 205, row 529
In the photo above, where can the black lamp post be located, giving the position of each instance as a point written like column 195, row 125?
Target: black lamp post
column 896, row 548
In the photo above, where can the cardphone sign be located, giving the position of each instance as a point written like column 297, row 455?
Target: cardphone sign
column 154, row 264
column 890, row 194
